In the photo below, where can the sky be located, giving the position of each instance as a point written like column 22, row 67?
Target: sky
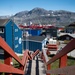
column 11, row 7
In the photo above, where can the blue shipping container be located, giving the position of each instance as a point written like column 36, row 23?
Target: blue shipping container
column 34, row 32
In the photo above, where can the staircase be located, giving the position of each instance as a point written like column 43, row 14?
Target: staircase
column 35, row 67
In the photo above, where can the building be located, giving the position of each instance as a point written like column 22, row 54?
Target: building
column 32, row 32
column 11, row 34
column 52, row 32
column 66, row 36
column 33, row 42
column 70, row 28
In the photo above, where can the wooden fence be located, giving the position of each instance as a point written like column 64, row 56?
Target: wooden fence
column 62, row 56
column 7, row 66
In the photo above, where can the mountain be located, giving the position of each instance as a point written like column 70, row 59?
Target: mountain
column 35, row 11
column 20, row 14
column 42, row 16
column 5, row 17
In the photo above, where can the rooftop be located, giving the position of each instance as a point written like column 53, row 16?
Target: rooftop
column 3, row 22
column 35, row 38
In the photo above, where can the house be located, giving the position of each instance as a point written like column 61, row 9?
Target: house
column 33, row 42
column 11, row 34
column 70, row 28
column 51, row 32
column 66, row 36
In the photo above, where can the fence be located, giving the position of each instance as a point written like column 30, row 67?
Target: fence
column 7, row 66
column 62, row 56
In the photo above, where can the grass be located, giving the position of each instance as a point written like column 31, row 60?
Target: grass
column 15, row 64
column 2, row 74
column 1, row 61
column 70, row 62
column 54, row 65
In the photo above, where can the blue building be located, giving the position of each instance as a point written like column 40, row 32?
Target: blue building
column 33, row 32
column 11, row 34
column 33, row 42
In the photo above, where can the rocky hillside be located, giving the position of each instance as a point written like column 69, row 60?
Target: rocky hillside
column 42, row 16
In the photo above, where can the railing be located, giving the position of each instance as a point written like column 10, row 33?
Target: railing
column 7, row 67
column 35, row 53
column 62, row 56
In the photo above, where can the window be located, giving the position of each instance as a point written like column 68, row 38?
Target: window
column 67, row 38
column 16, row 46
column 16, row 38
column 16, row 30
column 1, row 30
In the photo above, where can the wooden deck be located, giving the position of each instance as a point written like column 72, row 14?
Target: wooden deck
column 35, row 67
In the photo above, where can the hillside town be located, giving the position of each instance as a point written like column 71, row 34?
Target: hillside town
column 36, row 40
column 36, row 37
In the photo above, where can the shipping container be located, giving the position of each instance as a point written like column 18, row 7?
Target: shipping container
column 33, row 32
